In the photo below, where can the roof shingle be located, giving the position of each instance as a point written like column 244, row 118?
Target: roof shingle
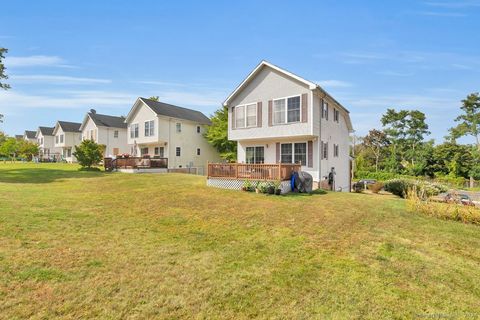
column 107, row 121
column 172, row 111
column 30, row 134
column 46, row 131
column 69, row 126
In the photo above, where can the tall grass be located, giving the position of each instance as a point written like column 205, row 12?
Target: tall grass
column 419, row 203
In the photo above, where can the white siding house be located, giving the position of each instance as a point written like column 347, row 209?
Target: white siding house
column 108, row 131
column 29, row 135
column 67, row 136
column 278, row 117
column 46, row 144
column 163, row 130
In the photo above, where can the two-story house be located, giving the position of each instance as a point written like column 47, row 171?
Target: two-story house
column 46, row 144
column 67, row 136
column 108, row 131
column 163, row 130
column 278, row 117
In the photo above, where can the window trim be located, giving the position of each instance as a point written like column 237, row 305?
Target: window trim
column 336, row 115
column 138, row 130
column 254, row 153
column 286, row 110
column 199, row 129
column 293, row 152
column 151, row 129
column 244, row 106
column 178, row 127
column 199, row 151
column 325, row 112
column 178, row 151
column 115, row 134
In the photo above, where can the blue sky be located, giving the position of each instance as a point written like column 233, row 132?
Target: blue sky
column 66, row 57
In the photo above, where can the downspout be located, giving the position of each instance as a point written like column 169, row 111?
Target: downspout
column 320, row 151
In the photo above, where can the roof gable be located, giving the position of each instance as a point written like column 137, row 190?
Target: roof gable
column 67, row 126
column 169, row 110
column 29, row 134
column 103, row 120
column 46, row 131
column 256, row 71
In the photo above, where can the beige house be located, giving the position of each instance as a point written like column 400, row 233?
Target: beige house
column 67, row 136
column 46, row 144
column 108, row 131
column 163, row 130
column 277, row 117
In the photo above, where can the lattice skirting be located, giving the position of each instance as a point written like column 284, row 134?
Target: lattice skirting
column 235, row 184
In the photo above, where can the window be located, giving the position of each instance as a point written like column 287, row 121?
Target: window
column 143, row 151
column 198, row 151
column 324, row 147
column 240, row 117
column 293, row 153
column 178, row 151
column 69, row 152
column 159, row 151
column 325, row 110
column 251, row 115
column 335, row 150
column 115, row 134
column 134, row 130
column 286, row 153
column 254, row 155
column 300, row 152
column 149, row 128
column 179, row 127
column 56, row 139
column 286, row 110
column 61, row 138
column 198, row 129
column 279, row 111
column 336, row 115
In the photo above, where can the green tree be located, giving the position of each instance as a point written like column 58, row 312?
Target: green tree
column 469, row 121
column 27, row 149
column 406, row 130
column 376, row 141
column 9, row 148
column 88, row 153
column 217, row 135
column 154, row 98
column 3, row 74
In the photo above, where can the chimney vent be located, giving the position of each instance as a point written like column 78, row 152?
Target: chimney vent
column 93, row 111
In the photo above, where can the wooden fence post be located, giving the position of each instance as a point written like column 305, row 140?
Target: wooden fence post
column 236, row 170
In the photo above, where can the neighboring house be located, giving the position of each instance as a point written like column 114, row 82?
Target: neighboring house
column 30, row 136
column 67, row 136
column 163, row 130
column 108, row 131
column 18, row 137
column 277, row 117
column 46, row 144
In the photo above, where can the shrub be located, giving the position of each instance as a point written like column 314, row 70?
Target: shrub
column 424, row 189
column 376, row 187
column 88, row 153
column 446, row 211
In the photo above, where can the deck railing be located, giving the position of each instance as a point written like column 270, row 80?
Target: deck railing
column 281, row 171
column 134, row 163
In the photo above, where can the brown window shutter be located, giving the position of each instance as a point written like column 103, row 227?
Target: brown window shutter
column 270, row 112
column 310, row 154
column 277, row 151
column 259, row 114
column 233, row 117
column 321, row 149
column 304, row 107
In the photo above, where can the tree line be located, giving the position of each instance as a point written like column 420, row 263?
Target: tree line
column 400, row 146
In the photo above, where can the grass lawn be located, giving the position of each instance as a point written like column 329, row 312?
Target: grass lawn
column 92, row 244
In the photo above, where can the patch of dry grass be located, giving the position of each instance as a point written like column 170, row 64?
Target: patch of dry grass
column 86, row 244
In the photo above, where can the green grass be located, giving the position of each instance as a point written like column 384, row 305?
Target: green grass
column 76, row 244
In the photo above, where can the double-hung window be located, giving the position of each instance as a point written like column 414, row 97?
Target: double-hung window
column 254, row 155
column 336, row 115
column 56, row 139
column 325, row 110
column 61, row 138
column 115, row 134
column 178, row 151
column 251, row 115
column 178, row 127
column 134, row 130
column 335, row 150
column 198, row 129
column 286, row 110
column 246, row 116
column 324, row 147
column 149, row 128
column 293, row 153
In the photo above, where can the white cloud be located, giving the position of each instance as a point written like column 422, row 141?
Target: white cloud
column 454, row 4
column 395, row 73
column 334, row 83
column 36, row 61
column 57, row 79
column 442, row 14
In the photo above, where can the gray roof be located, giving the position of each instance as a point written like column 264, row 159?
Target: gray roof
column 172, row 111
column 18, row 137
column 30, row 134
column 69, row 126
column 107, row 121
column 46, row 131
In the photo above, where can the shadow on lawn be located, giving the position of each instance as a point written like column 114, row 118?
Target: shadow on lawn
column 43, row 175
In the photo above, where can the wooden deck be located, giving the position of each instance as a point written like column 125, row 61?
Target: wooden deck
column 134, row 163
column 281, row 171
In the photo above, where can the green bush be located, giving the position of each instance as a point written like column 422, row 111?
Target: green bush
column 400, row 187
column 88, row 153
